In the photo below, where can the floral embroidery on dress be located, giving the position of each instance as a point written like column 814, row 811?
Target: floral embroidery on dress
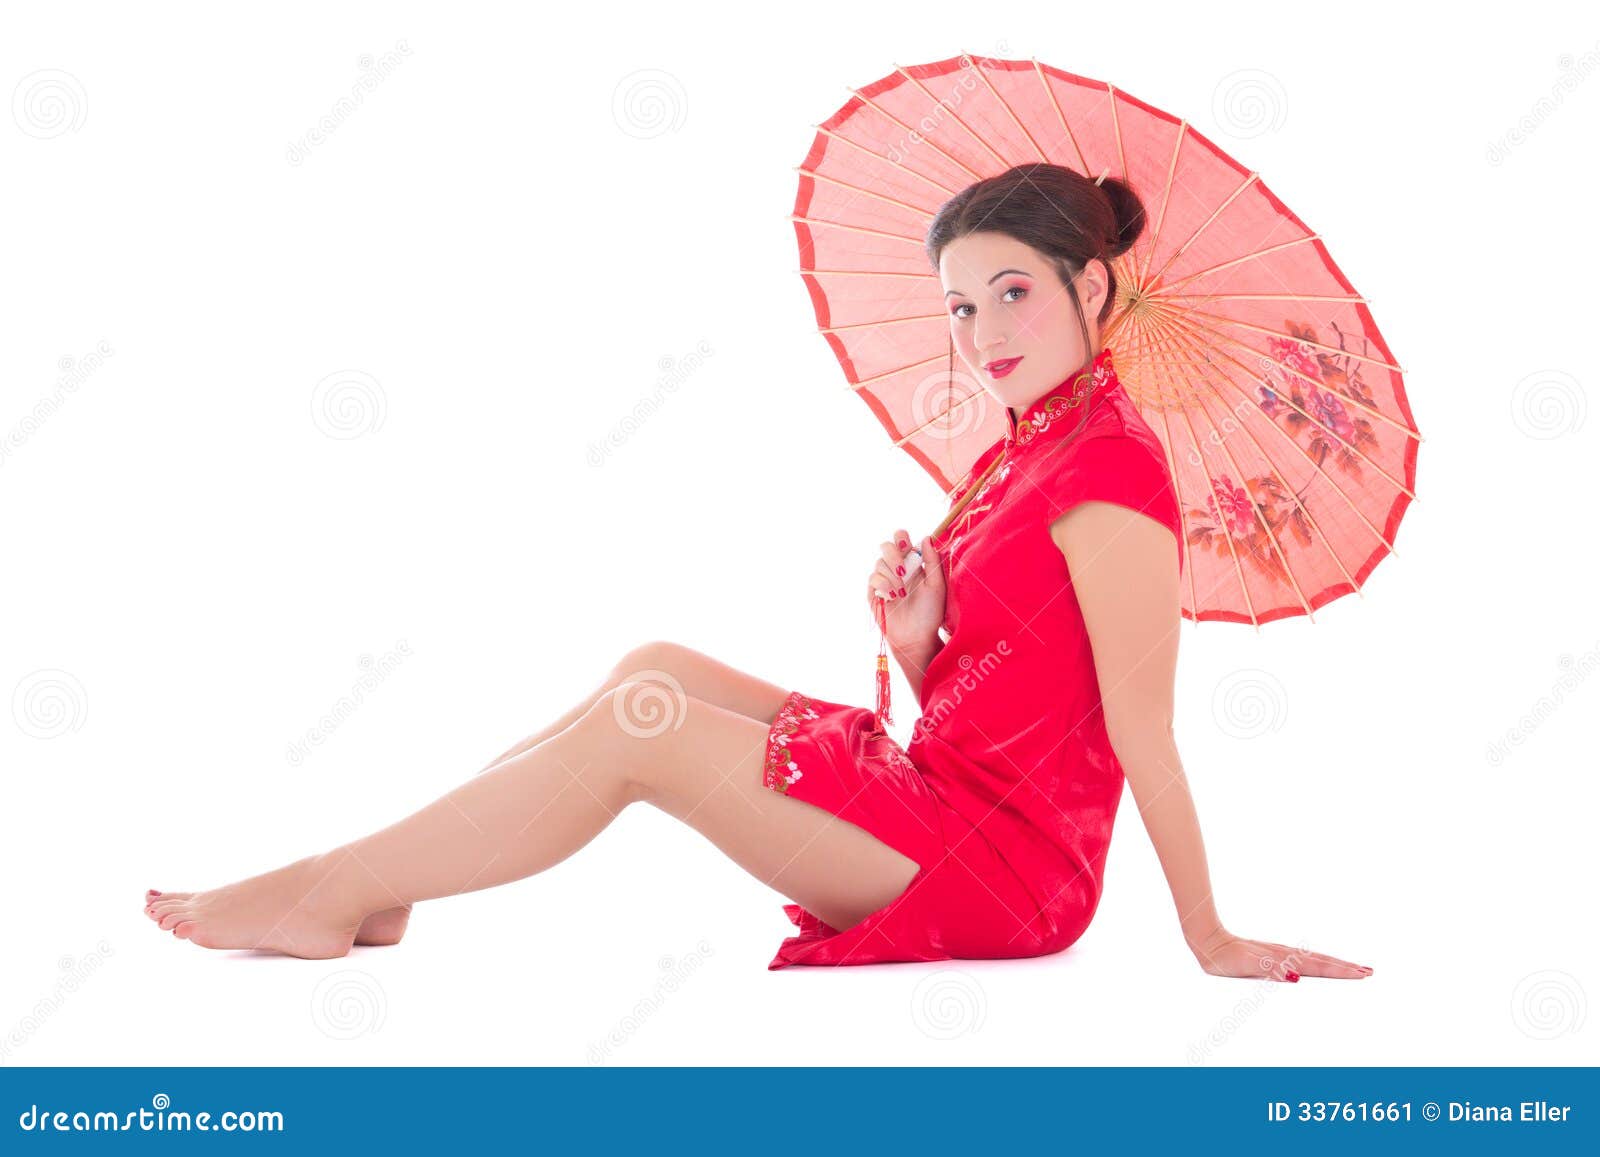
column 781, row 770
column 1058, row 404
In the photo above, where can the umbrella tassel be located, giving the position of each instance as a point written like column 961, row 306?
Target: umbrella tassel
column 882, row 706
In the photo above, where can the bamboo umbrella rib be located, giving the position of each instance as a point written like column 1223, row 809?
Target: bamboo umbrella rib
column 1379, row 362
column 1166, row 198
column 1116, row 124
column 893, row 372
column 1182, row 340
column 1204, row 225
column 1177, row 485
column 815, row 176
column 1260, row 297
column 1211, row 487
column 1244, row 587
column 984, row 76
column 1259, row 253
column 1356, row 509
column 883, row 112
column 861, row 273
column 945, row 413
column 1000, row 160
column 917, row 241
column 1083, row 164
column 1190, row 316
column 944, row 191
column 1239, row 473
column 876, row 324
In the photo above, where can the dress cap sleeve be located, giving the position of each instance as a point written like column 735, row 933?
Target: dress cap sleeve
column 1119, row 468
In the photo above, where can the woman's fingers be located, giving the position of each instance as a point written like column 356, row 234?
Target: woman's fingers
column 1308, row 963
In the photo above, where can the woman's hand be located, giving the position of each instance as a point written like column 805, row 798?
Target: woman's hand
column 1224, row 954
column 914, row 606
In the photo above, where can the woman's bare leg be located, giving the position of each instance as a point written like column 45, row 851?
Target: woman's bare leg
column 673, row 668
column 699, row 762
column 677, row 668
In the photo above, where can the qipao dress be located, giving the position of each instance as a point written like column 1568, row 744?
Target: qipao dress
column 1006, row 792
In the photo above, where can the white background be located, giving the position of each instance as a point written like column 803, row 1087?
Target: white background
column 516, row 254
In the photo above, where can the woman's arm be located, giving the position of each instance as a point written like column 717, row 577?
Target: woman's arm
column 1125, row 574
column 914, row 661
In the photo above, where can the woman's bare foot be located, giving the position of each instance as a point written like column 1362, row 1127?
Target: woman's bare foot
column 380, row 928
column 304, row 909
column 384, row 927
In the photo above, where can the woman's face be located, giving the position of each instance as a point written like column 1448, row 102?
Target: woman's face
column 1006, row 301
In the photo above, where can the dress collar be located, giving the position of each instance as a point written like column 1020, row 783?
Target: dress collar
column 1045, row 417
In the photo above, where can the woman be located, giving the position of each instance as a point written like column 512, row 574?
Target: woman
column 1057, row 587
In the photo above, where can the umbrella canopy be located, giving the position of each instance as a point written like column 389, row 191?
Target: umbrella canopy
column 1283, row 413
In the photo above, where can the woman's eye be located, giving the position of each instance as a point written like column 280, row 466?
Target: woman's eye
column 1014, row 289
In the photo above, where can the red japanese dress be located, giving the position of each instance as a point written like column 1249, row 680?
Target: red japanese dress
column 1006, row 793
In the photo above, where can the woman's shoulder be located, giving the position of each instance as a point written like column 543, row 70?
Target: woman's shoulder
column 1121, row 460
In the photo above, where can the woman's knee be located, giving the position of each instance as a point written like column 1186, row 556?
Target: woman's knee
column 658, row 660
column 626, row 724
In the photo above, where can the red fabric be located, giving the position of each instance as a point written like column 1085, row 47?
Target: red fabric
column 1006, row 794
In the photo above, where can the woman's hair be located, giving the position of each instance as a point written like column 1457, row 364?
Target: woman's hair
column 1053, row 209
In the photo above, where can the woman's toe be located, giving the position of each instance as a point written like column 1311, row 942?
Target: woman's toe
column 173, row 919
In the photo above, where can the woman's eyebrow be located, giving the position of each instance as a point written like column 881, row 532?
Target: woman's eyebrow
column 992, row 280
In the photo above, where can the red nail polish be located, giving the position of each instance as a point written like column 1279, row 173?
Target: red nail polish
column 903, row 544
column 1293, row 976
column 900, row 570
column 902, row 590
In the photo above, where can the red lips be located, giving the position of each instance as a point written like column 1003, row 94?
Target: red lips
column 1003, row 367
